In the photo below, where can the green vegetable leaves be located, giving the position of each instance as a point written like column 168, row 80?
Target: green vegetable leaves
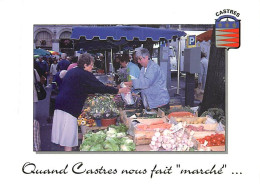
column 112, row 140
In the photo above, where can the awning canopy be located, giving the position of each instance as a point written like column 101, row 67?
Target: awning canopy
column 204, row 36
column 129, row 32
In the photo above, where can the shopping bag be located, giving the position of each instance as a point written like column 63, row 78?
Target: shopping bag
column 41, row 93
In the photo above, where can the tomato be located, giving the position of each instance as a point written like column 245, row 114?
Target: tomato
column 214, row 140
column 218, row 143
column 207, row 138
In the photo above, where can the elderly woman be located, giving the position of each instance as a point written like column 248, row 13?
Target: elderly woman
column 76, row 85
column 151, row 82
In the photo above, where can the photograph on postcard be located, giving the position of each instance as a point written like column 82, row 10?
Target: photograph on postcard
column 132, row 87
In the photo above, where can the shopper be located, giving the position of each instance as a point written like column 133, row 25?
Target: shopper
column 53, row 70
column 63, row 64
column 116, row 63
column 76, row 85
column 43, row 67
column 202, row 76
column 74, row 61
column 151, row 82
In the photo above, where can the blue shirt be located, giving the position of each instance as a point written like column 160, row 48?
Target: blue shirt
column 75, row 87
column 152, row 84
column 133, row 70
column 43, row 66
column 63, row 65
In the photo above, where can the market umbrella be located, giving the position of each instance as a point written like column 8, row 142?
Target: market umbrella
column 204, row 36
column 53, row 52
column 41, row 52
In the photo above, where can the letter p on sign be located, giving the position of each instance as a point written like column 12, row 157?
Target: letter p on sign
column 191, row 41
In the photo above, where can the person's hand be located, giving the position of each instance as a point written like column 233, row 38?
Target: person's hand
column 124, row 90
column 128, row 84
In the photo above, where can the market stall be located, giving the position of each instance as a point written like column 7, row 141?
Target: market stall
column 178, row 129
column 108, row 124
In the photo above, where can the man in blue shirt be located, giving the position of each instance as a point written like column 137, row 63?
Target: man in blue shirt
column 133, row 69
column 151, row 82
column 63, row 64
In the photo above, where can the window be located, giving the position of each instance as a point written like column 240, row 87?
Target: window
column 43, row 40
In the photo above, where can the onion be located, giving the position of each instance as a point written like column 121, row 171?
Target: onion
column 157, row 134
column 154, row 138
column 153, row 143
column 160, row 139
column 172, row 141
column 164, row 146
column 158, row 144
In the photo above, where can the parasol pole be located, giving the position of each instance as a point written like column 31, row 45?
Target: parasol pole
column 112, row 68
column 105, row 62
column 178, row 66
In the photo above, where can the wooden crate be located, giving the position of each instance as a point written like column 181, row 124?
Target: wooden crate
column 191, row 120
column 85, row 129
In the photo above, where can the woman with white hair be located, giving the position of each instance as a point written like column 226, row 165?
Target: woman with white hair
column 76, row 85
column 151, row 82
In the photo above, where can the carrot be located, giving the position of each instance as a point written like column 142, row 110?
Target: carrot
column 180, row 114
column 157, row 122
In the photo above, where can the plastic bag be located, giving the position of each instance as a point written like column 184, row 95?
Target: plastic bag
column 128, row 98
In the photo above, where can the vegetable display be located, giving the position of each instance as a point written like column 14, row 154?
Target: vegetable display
column 191, row 120
column 180, row 114
column 171, row 140
column 160, row 124
column 213, row 140
column 113, row 139
column 215, row 113
column 194, row 128
column 180, row 109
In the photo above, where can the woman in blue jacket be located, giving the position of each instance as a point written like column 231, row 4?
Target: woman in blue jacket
column 76, row 85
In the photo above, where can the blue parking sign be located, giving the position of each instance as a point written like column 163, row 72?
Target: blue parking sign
column 191, row 41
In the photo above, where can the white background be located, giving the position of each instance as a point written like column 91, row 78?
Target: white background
column 16, row 48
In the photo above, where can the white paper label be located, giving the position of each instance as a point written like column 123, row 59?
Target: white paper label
column 176, row 128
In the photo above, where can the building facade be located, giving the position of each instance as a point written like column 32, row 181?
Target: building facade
column 53, row 37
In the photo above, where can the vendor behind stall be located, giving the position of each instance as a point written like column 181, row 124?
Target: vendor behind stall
column 76, row 85
column 151, row 82
column 133, row 69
